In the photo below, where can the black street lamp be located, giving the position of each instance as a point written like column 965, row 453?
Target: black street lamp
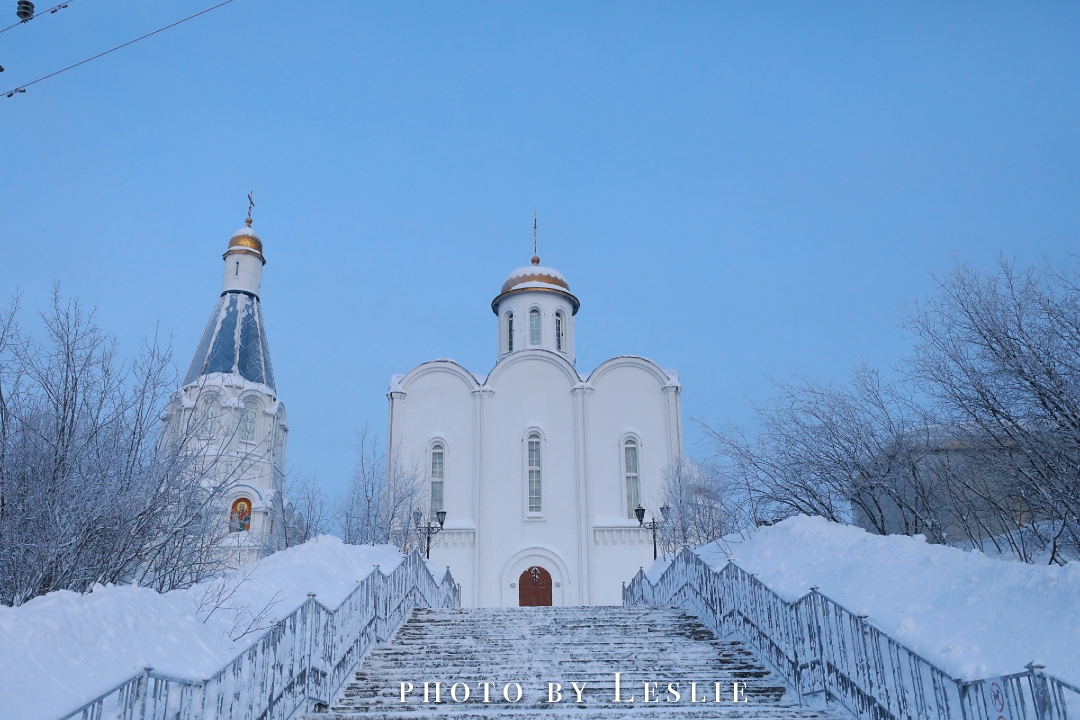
column 652, row 524
column 429, row 529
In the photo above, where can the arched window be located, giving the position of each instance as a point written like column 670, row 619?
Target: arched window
column 240, row 518
column 534, row 473
column 534, row 327
column 510, row 332
column 559, row 331
column 247, row 421
column 208, row 416
column 436, row 478
column 633, row 483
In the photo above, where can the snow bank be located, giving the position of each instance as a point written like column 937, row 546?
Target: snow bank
column 971, row 615
column 61, row 650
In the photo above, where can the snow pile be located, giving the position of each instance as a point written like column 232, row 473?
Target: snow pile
column 971, row 615
column 61, row 650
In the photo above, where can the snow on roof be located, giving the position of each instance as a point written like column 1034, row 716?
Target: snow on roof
column 535, row 270
column 972, row 615
column 535, row 284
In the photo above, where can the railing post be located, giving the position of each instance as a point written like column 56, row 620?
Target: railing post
column 376, row 576
column 145, row 691
column 310, row 670
column 1040, row 691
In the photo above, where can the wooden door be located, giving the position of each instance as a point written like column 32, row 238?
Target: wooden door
column 534, row 587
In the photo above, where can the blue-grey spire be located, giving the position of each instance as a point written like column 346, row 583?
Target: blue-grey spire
column 234, row 341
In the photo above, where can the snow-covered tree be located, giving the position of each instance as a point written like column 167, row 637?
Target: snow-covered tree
column 701, row 506
column 382, row 497
column 975, row 442
column 92, row 490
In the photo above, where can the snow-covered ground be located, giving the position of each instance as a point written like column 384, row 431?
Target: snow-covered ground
column 64, row 649
column 971, row 615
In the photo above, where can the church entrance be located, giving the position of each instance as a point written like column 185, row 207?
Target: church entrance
column 534, row 587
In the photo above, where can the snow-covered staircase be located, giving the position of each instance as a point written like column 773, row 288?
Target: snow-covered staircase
column 537, row 646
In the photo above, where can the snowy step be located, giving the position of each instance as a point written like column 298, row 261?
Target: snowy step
column 773, row 712
column 507, row 648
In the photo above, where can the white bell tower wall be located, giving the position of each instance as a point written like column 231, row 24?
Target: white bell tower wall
column 243, row 271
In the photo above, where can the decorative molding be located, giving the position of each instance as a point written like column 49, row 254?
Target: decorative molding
column 621, row 535
column 454, row 538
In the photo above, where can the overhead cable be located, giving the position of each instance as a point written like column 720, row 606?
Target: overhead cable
column 22, row 88
column 49, row 11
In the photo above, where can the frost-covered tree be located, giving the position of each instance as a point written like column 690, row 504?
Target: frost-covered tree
column 91, row 488
column 702, row 506
column 381, row 499
column 999, row 355
column 823, row 448
column 976, row 442
column 308, row 514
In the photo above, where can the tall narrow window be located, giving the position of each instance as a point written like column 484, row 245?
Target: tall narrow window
column 559, row 331
column 534, row 327
column 237, row 269
column 534, row 473
column 436, row 478
column 247, row 421
column 510, row 332
column 208, row 416
column 633, row 485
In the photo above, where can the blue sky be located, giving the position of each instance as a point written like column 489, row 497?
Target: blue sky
column 739, row 191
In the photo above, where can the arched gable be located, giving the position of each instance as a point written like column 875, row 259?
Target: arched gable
column 448, row 367
column 533, row 355
column 644, row 364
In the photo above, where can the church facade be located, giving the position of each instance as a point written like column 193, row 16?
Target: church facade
column 538, row 468
column 229, row 410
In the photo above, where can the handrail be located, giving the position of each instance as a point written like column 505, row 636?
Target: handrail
column 300, row 662
column 821, row 647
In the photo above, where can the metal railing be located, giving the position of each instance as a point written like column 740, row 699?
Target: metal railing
column 820, row 647
column 298, row 664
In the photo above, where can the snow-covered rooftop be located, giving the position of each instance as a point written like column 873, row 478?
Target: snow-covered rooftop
column 245, row 231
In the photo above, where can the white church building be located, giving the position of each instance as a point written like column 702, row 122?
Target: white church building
column 229, row 405
column 539, row 468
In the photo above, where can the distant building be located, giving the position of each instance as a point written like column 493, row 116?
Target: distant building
column 939, row 482
column 230, row 399
column 538, row 468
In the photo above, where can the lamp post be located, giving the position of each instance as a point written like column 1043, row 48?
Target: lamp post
column 429, row 529
column 652, row 524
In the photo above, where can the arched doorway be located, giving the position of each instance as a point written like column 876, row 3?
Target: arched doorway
column 534, row 587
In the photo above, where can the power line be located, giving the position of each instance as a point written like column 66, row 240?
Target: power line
column 51, row 10
column 22, row 88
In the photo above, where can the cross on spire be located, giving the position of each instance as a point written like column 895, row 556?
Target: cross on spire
column 536, row 256
column 251, row 205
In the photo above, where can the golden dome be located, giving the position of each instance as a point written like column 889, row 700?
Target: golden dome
column 536, row 278
column 245, row 240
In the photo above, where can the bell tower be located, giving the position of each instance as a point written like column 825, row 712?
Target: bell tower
column 243, row 262
column 229, row 404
